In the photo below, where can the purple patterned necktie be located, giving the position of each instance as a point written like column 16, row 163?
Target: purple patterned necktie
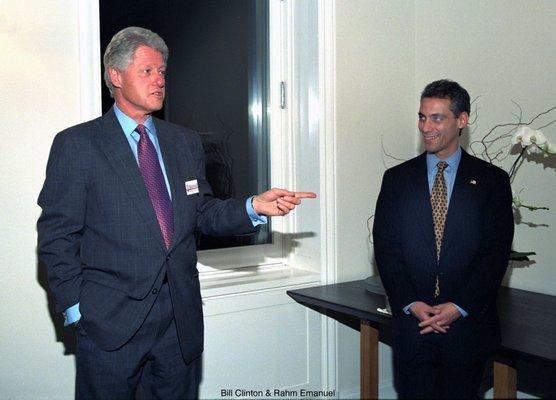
column 155, row 184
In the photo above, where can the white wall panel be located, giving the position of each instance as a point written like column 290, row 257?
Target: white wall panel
column 254, row 345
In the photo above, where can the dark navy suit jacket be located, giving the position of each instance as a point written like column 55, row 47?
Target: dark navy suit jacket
column 100, row 239
column 474, row 255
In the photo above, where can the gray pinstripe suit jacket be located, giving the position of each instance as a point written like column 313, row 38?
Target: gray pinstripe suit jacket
column 100, row 240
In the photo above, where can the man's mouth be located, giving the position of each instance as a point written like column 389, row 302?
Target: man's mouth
column 431, row 136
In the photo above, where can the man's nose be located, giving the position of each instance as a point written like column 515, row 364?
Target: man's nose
column 160, row 80
column 426, row 126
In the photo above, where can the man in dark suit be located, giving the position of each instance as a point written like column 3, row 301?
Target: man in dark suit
column 442, row 236
column 122, row 198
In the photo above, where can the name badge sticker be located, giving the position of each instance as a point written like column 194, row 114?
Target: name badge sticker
column 191, row 187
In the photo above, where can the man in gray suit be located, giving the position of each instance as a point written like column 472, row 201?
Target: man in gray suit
column 122, row 198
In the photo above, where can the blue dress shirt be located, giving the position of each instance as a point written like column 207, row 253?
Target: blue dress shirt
column 72, row 314
column 449, row 173
column 449, row 177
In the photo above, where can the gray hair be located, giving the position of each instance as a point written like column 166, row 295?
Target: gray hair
column 119, row 52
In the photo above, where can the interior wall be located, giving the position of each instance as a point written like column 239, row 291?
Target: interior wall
column 40, row 96
column 374, row 105
column 502, row 51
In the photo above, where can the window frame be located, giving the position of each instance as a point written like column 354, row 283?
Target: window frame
column 271, row 254
column 280, row 263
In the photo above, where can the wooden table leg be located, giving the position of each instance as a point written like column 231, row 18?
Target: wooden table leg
column 369, row 361
column 505, row 381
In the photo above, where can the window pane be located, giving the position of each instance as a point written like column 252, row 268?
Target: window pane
column 217, row 84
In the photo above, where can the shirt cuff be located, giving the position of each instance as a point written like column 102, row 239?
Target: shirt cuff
column 72, row 315
column 461, row 310
column 256, row 219
column 406, row 308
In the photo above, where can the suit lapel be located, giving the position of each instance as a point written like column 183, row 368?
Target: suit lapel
column 116, row 149
column 423, row 210
column 458, row 201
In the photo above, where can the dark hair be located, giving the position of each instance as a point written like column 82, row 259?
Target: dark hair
column 447, row 89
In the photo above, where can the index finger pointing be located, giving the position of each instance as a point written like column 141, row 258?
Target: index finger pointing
column 305, row 195
column 282, row 192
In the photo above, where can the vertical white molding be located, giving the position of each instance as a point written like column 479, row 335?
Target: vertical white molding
column 278, row 117
column 89, row 59
column 327, row 68
column 327, row 93
column 290, row 115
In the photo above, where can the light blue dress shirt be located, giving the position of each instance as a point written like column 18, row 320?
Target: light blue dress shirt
column 449, row 173
column 449, row 177
column 128, row 125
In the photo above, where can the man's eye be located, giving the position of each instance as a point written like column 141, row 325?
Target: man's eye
column 147, row 71
column 437, row 118
column 162, row 72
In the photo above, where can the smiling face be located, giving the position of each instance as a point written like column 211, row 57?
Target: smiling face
column 139, row 89
column 440, row 127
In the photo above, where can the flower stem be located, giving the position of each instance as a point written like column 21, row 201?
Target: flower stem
column 514, row 165
column 533, row 208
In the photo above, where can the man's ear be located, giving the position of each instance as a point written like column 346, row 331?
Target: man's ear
column 115, row 77
column 463, row 119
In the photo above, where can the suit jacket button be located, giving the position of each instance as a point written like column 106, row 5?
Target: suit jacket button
column 155, row 291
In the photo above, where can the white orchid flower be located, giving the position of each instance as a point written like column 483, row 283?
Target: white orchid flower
column 538, row 138
column 549, row 148
column 526, row 139
column 533, row 140
column 522, row 135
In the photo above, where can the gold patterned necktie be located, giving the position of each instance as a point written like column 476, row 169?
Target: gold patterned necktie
column 439, row 204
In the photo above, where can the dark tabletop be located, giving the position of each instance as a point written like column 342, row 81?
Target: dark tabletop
column 528, row 319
